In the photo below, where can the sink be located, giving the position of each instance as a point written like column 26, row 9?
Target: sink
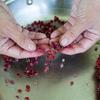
column 56, row 84
column 39, row 10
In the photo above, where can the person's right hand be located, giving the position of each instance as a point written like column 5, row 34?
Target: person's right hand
column 14, row 41
column 82, row 30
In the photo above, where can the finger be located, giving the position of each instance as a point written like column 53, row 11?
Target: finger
column 79, row 38
column 12, row 32
column 83, row 45
column 73, row 33
column 61, row 30
column 43, row 41
column 37, row 35
column 44, row 47
column 13, row 50
column 31, row 35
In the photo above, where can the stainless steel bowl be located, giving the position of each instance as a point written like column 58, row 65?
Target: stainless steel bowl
column 39, row 10
column 54, row 85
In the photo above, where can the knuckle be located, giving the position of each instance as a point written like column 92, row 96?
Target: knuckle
column 73, row 35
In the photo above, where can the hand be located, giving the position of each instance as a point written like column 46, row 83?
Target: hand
column 16, row 42
column 82, row 30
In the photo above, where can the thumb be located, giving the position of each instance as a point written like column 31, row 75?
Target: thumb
column 23, row 41
column 73, row 33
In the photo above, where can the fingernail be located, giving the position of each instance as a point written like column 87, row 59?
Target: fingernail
column 31, row 47
column 64, row 42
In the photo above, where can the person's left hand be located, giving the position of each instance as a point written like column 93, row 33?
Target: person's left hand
column 15, row 41
column 11, row 49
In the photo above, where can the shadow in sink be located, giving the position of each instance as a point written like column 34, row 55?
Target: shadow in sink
column 74, row 65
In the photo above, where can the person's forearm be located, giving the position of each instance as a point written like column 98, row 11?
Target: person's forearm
column 5, row 12
column 3, row 6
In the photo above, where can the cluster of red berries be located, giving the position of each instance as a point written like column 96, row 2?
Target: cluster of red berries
column 98, row 77
column 46, row 28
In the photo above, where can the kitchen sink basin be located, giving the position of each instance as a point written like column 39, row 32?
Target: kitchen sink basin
column 56, row 84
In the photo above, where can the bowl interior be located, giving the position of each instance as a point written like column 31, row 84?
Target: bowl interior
column 39, row 10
